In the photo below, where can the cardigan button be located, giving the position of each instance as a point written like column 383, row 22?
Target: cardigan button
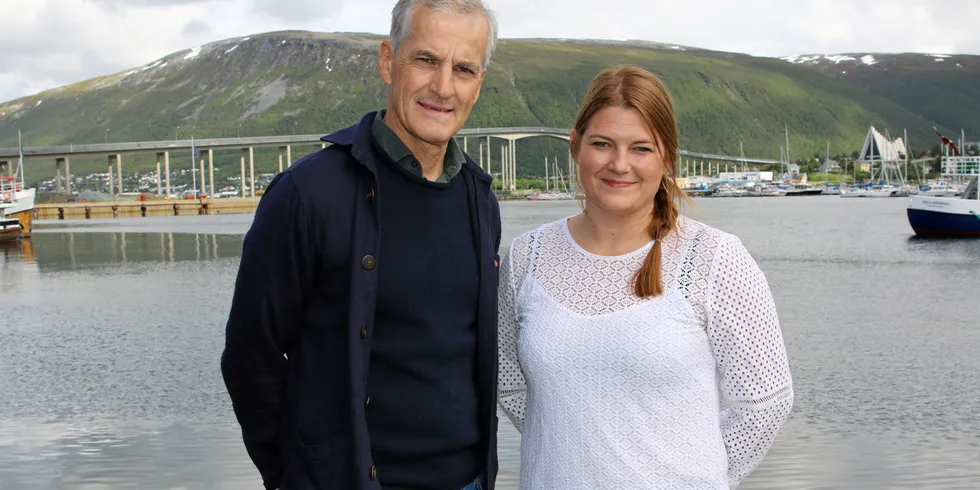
column 364, row 332
column 368, row 262
column 367, row 401
column 370, row 195
column 374, row 472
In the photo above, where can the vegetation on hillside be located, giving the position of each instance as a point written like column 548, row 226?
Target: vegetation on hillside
column 311, row 83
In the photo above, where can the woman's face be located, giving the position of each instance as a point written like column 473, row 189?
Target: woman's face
column 620, row 162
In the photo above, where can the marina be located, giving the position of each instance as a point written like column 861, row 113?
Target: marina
column 117, row 328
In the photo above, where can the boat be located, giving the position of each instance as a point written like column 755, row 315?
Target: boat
column 10, row 229
column 17, row 200
column 886, row 158
column 550, row 196
column 800, row 189
column 728, row 190
column 940, row 188
column 949, row 216
column 553, row 194
column 830, row 190
column 763, row 190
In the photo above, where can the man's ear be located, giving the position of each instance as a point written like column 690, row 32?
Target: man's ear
column 386, row 60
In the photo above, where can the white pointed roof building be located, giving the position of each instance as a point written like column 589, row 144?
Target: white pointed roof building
column 877, row 147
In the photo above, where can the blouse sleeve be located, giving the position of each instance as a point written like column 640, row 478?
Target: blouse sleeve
column 511, row 386
column 755, row 382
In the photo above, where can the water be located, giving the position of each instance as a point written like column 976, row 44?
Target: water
column 111, row 332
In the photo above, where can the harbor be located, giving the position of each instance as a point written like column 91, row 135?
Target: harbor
column 117, row 326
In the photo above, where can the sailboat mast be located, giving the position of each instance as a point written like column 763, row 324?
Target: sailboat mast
column 546, row 173
column 786, row 126
column 20, row 160
column 741, row 150
column 908, row 151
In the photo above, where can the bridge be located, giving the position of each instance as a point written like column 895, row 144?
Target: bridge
column 114, row 152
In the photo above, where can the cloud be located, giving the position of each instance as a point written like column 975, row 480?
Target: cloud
column 197, row 28
column 298, row 10
column 56, row 42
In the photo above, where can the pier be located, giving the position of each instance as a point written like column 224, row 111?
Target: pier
column 143, row 209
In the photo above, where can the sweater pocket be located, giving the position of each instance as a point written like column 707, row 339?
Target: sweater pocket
column 323, row 466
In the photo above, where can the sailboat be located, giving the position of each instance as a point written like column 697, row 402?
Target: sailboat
column 16, row 202
column 553, row 194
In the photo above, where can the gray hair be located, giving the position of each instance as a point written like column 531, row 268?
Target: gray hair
column 401, row 20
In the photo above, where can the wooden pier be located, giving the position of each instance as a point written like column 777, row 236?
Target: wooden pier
column 141, row 209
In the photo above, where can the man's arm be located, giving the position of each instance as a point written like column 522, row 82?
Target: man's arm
column 273, row 283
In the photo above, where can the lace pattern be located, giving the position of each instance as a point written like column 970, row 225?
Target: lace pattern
column 726, row 294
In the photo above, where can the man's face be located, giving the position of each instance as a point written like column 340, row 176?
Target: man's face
column 436, row 75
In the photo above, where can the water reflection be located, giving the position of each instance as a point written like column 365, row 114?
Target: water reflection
column 964, row 247
column 18, row 265
column 112, row 331
column 60, row 455
column 81, row 250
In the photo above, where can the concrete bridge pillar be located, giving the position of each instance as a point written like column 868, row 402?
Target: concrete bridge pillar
column 204, row 187
column 504, row 169
column 117, row 158
column 251, row 172
column 489, row 158
column 166, row 172
column 244, row 187
column 513, row 165
column 282, row 149
column 67, row 176
column 465, row 139
column 211, row 170
column 58, row 163
column 481, row 155
column 572, row 173
column 159, row 182
column 110, row 180
column 289, row 154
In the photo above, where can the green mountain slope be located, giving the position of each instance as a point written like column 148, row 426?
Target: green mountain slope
column 302, row 82
column 937, row 87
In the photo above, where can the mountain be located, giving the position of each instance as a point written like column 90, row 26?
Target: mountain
column 936, row 87
column 305, row 82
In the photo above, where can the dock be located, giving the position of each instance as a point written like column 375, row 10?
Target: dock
column 142, row 209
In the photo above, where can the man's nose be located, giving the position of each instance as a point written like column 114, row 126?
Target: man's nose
column 442, row 81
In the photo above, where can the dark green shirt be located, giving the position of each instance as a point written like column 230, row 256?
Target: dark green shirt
column 396, row 151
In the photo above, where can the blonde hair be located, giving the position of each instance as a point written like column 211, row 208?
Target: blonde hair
column 632, row 87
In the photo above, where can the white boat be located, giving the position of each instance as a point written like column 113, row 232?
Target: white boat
column 726, row 190
column 949, row 216
column 941, row 188
column 946, row 216
column 800, row 189
column 550, row 196
column 17, row 200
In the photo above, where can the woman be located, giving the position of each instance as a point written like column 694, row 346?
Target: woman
column 638, row 348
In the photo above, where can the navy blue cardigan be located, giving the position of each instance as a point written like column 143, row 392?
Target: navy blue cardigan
column 298, row 337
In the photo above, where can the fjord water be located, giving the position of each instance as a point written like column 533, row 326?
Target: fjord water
column 111, row 332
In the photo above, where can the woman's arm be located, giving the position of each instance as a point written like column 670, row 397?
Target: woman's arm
column 511, row 386
column 756, row 386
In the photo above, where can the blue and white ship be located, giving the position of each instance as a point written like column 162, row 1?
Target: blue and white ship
column 950, row 216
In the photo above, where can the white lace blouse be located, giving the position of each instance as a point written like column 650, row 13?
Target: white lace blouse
column 683, row 391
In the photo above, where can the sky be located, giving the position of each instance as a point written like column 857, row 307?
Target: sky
column 49, row 43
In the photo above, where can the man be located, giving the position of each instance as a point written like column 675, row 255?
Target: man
column 361, row 344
